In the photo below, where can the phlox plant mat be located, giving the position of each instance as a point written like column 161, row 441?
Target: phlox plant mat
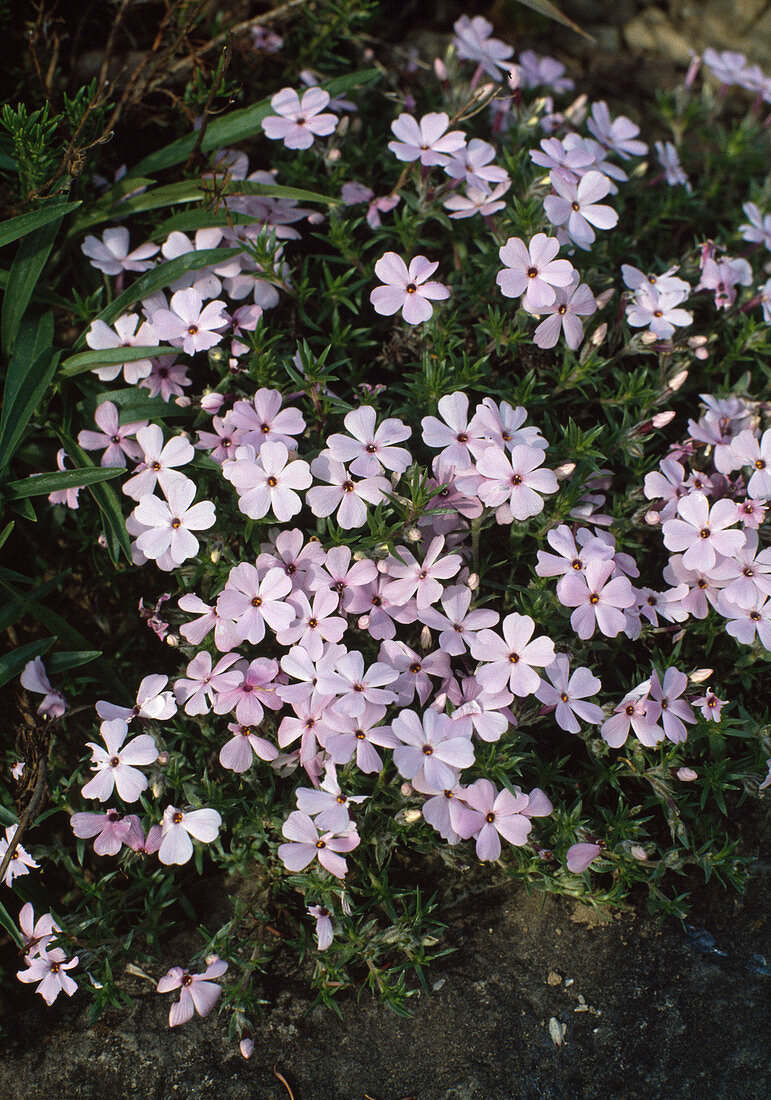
column 385, row 464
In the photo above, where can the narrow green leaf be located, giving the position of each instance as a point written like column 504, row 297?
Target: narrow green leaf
column 12, row 663
column 8, row 164
column 115, row 525
column 89, row 360
column 14, row 228
column 28, row 264
column 35, row 336
column 39, row 484
column 9, row 924
column 14, row 608
column 28, row 397
column 551, row 11
column 61, row 662
column 58, row 626
column 5, row 533
column 132, row 405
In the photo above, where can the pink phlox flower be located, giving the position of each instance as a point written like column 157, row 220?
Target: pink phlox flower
column 354, row 193
column 379, row 610
column 169, row 523
column 752, row 513
column 21, row 861
column 255, row 689
column 747, row 573
column 439, row 810
column 428, row 141
column 138, row 842
column 579, row 856
column 461, row 439
column 723, row 276
column 159, row 461
column 477, row 200
column 570, row 304
column 298, row 666
column 357, row 737
column 748, row 450
column 473, row 42
column 307, row 844
column 666, row 283
column 114, row 764
column 573, row 552
column 724, row 419
column 199, row 993
column 324, row 930
column 449, row 508
column 110, row 829
column 728, row 66
column 702, row 532
column 658, row 310
column 406, row 288
column 473, row 165
column 546, row 72
column 758, row 229
column 225, row 634
column 267, row 481
column 370, row 450
column 311, row 722
column 178, row 826
column 111, row 254
column 203, row 683
column 188, row 323
column 264, row 421
column 571, row 154
column 314, row 624
column 431, row 753
column 239, row 752
column 670, row 162
column 166, row 379
column 115, row 437
column 50, row 970
column 336, row 572
column 704, row 585
column 504, row 425
column 618, row 135
column 486, row 712
column 421, row 579
column 700, row 482
column 597, row 598
column 513, row 483
column 414, row 670
column 34, row 678
column 123, row 334
column 745, row 623
column 68, row 497
column 288, row 550
column 205, row 280
column 576, row 205
column 667, row 486
column 767, row 781
column 532, row 270
column 337, row 103
column 223, row 442
column 457, row 623
column 567, row 693
column 297, row 122
column 250, row 601
column 667, row 604
column 513, row 659
column 633, row 711
column 710, row 705
column 342, row 494
column 666, row 705
column 327, row 804
column 354, row 685
column 37, row 934
column 489, row 815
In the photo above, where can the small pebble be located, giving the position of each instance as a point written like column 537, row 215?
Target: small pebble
column 554, row 978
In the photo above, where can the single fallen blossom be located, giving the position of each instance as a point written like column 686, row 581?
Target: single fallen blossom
column 579, row 856
column 21, row 861
column 178, row 826
column 34, row 678
column 199, row 993
column 50, row 970
column 297, row 122
column 406, row 288
column 307, row 844
column 113, row 764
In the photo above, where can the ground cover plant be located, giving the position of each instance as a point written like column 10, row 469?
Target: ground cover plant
column 421, row 402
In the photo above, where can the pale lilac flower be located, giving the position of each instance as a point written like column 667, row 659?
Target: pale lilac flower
column 138, row 842
column 567, row 693
column 747, row 573
column 113, row 765
column 575, row 205
column 256, row 687
column 457, row 624
column 547, row 72
column 264, row 40
column 751, row 512
column 297, row 122
column 723, row 276
column 353, row 193
column 111, row 254
column 667, row 283
column 460, row 438
column 579, row 856
column 728, row 66
column 618, row 135
column 357, row 737
column 472, row 164
column 670, row 162
column 115, row 437
column 767, row 781
column 324, row 931
column 490, row 815
column 264, row 421
column 473, row 42
column 203, row 683
column 226, row 636
column 343, row 494
column 327, row 804
column 570, row 304
column 701, row 532
column 124, row 334
column 659, row 311
column 348, row 679
column 744, row 623
column 758, row 231
column 368, row 449
column 486, row 712
column 431, row 751
column 251, row 601
column 414, row 670
column 532, row 270
column 34, row 678
column 406, row 288
column 572, row 154
column 188, row 323
column 597, row 599
column 502, row 424
column 669, row 604
column 307, row 844
column 338, row 574
column 313, row 625
column 169, row 523
column 21, row 861
column 513, row 482
column 159, row 462
column 427, row 140
column 512, row 660
column 667, row 486
column 267, row 482
column 199, row 994
column 178, row 826
column 421, row 579
column 289, row 551
column 572, row 555
column 68, row 497
column 751, row 451
column 50, row 970
column 378, row 610
column 632, row 711
column 110, row 830
column 667, row 706
column 477, row 201
column 239, row 752
column 37, row 934
column 205, row 280
column 223, row 442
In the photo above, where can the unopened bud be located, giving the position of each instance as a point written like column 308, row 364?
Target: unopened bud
column 333, row 155
column 639, row 852
column 565, row 470
column 701, row 353
column 183, row 401
column 414, row 534
column 686, row 775
column 411, row 816
column 515, row 77
column 677, row 381
column 598, row 335
column 648, row 337
column 700, row 675
column 660, row 420
column 473, row 581
column 652, row 518
column 425, row 639
column 215, row 555
column 246, row 1046
column 604, row 297
column 172, row 640
column 440, row 70
column 407, row 790
column 362, row 622
column 697, row 341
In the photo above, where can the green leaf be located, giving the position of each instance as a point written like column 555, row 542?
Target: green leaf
column 89, row 360
column 12, row 663
column 9, row 924
column 35, row 336
column 39, row 484
column 237, row 126
column 14, row 228
column 13, row 608
column 28, row 264
column 58, row 626
column 8, row 164
column 551, row 11
column 108, row 504
column 61, row 662
column 29, row 391
column 134, row 406
column 5, row 533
